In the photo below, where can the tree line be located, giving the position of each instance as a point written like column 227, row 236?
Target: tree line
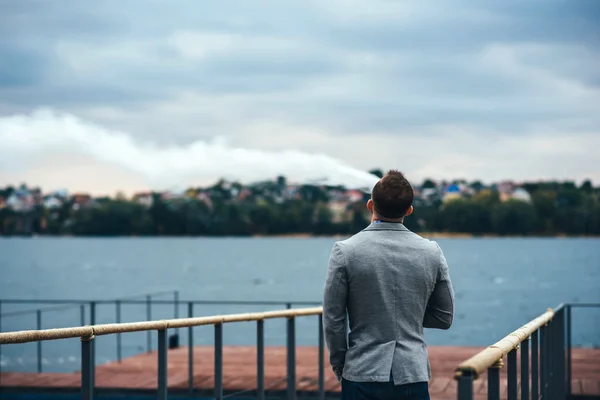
column 555, row 208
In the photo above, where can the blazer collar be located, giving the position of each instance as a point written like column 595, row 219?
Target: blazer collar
column 386, row 226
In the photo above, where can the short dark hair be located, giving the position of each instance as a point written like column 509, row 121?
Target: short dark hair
column 392, row 195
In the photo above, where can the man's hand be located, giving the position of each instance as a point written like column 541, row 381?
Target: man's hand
column 338, row 372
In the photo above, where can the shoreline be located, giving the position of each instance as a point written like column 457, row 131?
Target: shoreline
column 438, row 235
column 428, row 235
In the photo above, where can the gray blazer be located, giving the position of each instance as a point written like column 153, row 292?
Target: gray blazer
column 388, row 283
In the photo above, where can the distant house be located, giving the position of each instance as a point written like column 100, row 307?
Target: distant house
column 505, row 190
column 61, row 193
column 466, row 189
column 506, row 187
column 452, row 188
column 521, row 195
column 354, row 196
column 429, row 195
column 244, row 194
column 20, row 201
column 339, row 211
column 52, row 202
column 428, row 192
column 205, row 198
column 172, row 195
column 452, row 192
column 290, row 192
column 338, row 195
column 81, row 198
column 143, row 198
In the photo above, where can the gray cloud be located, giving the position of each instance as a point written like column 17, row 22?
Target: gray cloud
column 340, row 68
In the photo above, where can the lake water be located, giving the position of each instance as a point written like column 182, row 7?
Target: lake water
column 500, row 284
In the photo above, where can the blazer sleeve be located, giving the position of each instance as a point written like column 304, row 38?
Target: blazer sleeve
column 334, row 308
column 439, row 313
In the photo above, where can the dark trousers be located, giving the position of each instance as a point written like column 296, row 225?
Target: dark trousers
column 384, row 391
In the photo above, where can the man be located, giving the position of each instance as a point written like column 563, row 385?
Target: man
column 389, row 284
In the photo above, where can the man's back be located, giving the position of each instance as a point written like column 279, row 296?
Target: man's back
column 392, row 283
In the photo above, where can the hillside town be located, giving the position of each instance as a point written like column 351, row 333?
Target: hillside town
column 25, row 199
column 30, row 210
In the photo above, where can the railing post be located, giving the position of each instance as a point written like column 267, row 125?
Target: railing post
column 525, row 369
column 93, row 342
column 82, row 314
column 551, row 391
column 118, row 318
column 260, row 358
column 560, row 353
column 0, row 344
column 465, row 386
column 38, row 314
column 87, row 368
column 543, row 361
column 288, row 306
column 190, row 349
column 149, row 318
column 321, row 359
column 512, row 375
column 162, row 364
column 535, row 378
column 176, row 310
column 569, row 390
column 92, row 313
column 550, row 359
column 291, row 359
column 494, row 380
column 218, row 362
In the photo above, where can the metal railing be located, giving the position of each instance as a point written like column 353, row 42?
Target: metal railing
column 88, row 308
column 544, row 347
column 88, row 333
column 81, row 306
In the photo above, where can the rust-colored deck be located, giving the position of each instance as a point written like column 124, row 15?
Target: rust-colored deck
column 239, row 372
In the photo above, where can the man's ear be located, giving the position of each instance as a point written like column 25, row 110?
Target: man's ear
column 370, row 205
column 410, row 211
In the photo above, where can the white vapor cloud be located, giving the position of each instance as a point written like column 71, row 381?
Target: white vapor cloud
column 45, row 133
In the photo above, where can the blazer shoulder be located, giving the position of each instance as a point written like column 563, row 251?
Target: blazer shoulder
column 353, row 241
column 346, row 248
column 432, row 246
column 424, row 242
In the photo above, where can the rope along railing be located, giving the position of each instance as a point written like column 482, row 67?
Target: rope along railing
column 88, row 333
column 88, row 308
column 543, row 345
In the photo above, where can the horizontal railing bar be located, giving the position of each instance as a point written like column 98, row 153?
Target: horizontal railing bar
column 88, row 332
column 559, row 307
column 68, row 301
column 66, row 304
column 154, row 301
column 157, row 293
column 584, row 305
column 486, row 358
column 35, row 310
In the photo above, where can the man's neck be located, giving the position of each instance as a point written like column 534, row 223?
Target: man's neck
column 392, row 221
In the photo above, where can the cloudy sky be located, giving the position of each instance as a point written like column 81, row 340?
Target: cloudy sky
column 109, row 95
